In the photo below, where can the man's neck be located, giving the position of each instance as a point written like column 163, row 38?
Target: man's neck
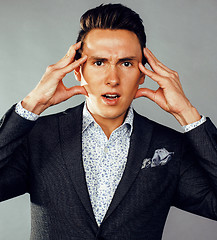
column 109, row 125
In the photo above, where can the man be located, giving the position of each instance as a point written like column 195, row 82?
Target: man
column 100, row 170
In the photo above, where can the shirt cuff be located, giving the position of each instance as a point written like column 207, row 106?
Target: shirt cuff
column 191, row 126
column 25, row 113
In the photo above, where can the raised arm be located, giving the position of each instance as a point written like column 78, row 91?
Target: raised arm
column 51, row 90
column 14, row 128
column 169, row 96
column 197, row 185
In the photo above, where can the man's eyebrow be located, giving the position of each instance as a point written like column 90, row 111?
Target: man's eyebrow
column 95, row 58
column 130, row 58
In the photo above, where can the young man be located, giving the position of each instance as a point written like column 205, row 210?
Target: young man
column 100, row 170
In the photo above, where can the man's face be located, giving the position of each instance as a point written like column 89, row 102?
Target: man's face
column 111, row 75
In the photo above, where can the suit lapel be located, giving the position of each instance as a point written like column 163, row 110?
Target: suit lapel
column 139, row 145
column 71, row 142
column 71, row 139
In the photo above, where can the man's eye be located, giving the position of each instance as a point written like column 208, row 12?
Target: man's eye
column 127, row 64
column 98, row 63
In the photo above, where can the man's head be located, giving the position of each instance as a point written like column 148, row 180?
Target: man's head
column 112, row 38
column 113, row 17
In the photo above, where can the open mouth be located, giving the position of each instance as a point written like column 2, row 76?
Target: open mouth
column 111, row 96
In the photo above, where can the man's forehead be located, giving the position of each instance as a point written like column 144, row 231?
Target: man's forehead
column 101, row 42
column 102, row 35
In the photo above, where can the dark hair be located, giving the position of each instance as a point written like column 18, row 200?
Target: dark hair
column 111, row 16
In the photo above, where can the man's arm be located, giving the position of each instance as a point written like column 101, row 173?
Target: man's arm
column 51, row 90
column 170, row 95
column 13, row 155
column 15, row 126
column 197, row 188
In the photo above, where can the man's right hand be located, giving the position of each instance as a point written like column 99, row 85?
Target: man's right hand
column 51, row 90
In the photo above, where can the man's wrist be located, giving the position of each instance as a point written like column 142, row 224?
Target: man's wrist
column 25, row 113
column 191, row 126
column 188, row 116
column 33, row 105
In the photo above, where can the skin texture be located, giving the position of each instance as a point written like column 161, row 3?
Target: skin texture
column 170, row 95
column 111, row 64
column 51, row 90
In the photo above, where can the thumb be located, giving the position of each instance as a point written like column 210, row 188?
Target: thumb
column 146, row 92
column 76, row 90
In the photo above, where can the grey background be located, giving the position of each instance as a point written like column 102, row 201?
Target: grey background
column 182, row 34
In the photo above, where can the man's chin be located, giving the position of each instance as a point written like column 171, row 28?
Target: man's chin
column 107, row 111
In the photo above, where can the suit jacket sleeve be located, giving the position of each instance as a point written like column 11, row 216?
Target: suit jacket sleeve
column 197, row 187
column 13, row 155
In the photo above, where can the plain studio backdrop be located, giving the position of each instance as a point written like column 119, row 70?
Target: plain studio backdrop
column 181, row 33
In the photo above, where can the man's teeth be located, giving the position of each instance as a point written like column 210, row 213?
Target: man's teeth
column 111, row 96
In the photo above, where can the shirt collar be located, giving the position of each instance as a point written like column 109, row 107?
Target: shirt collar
column 88, row 118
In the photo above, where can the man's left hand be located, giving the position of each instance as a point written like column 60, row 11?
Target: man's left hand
column 170, row 95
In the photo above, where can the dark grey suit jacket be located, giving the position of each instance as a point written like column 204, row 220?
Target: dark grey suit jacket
column 44, row 159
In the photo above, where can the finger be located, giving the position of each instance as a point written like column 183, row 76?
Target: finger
column 69, row 57
column 73, row 65
column 154, row 76
column 155, row 64
column 170, row 74
column 146, row 92
column 76, row 90
column 158, row 62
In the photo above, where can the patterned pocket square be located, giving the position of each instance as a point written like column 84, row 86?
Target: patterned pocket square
column 161, row 157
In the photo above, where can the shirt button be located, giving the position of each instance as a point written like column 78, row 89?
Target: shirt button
column 106, row 150
column 103, row 187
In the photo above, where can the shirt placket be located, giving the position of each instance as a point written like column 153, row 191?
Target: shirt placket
column 103, row 172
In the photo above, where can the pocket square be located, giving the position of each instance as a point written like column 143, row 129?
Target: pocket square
column 161, row 157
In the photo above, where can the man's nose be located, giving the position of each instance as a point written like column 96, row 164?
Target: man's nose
column 113, row 77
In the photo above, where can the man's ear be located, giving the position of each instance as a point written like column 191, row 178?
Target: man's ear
column 142, row 78
column 77, row 73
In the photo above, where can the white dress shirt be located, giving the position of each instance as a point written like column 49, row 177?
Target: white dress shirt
column 104, row 159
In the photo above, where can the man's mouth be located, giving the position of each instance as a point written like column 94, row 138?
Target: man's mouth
column 111, row 96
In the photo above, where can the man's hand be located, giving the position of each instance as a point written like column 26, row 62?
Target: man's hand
column 51, row 90
column 169, row 96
